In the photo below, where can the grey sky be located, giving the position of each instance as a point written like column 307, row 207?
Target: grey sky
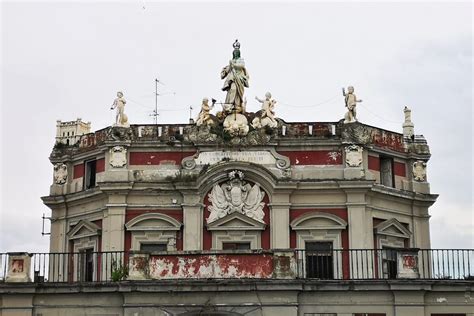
column 63, row 61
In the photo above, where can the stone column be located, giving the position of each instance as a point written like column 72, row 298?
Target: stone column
column 193, row 222
column 280, row 221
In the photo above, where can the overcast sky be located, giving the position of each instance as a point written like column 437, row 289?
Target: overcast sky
column 68, row 60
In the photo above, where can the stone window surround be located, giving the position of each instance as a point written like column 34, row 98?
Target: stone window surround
column 323, row 233
column 249, row 230
column 153, row 234
column 390, row 239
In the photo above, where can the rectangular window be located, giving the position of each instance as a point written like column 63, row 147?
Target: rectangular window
column 319, row 260
column 91, row 170
column 235, row 245
column 389, row 262
column 386, row 172
column 153, row 247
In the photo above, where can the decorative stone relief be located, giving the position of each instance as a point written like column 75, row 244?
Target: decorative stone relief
column 236, row 125
column 60, row 173
column 419, row 170
column 118, row 156
column 356, row 133
column 354, row 155
column 236, row 195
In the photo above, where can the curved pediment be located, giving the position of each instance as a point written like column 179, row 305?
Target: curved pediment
column 153, row 221
column 318, row 220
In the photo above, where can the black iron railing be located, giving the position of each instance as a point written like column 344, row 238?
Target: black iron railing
column 332, row 264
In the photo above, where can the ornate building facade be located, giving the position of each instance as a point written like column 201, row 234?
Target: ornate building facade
column 240, row 214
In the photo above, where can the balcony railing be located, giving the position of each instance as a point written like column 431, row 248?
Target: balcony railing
column 350, row 264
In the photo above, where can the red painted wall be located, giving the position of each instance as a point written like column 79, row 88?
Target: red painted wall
column 374, row 163
column 176, row 214
column 100, row 165
column 156, row 158
column 321, row 157
column 78, row 171
column 400, row 169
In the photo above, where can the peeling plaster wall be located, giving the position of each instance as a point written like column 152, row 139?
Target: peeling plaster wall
column 211, row 266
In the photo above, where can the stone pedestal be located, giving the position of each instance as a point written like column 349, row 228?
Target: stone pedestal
column 18, row 267
column 138, row 266
column 407, row 261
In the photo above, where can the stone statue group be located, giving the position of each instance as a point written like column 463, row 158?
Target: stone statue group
column 234, row 116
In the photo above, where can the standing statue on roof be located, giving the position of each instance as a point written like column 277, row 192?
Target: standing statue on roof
column 236, row 80
column 351, row 102
column 121, row 118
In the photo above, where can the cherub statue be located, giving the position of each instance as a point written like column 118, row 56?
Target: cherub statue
column 204, row 117
column 121, row 118
column 351, row 102
column 267, row 115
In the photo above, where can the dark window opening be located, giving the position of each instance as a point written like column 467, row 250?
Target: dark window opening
column 389, row 263
column 153, row 247
column 319, row 260
column 235, row 245
column 386, row 172
column 91, row 167
column 86, row 258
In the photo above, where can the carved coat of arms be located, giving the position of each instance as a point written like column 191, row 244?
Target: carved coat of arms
column 118, row 156
column 60, row 173
column 354, row 155
column 236, row 195
column 419, row 170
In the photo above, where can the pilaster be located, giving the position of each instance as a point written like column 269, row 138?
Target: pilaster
column 193, row 222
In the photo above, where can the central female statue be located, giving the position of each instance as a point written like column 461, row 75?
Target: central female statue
column 236, row 79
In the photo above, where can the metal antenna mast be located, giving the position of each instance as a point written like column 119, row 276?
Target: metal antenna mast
column 155, row 112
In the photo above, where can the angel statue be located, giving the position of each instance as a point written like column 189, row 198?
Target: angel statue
column 236, row 79
column 236, row 196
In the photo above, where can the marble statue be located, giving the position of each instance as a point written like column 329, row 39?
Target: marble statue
column 351, row 102
column 267, row 114
column 121, row 118
column 236, row 195
column 204, row 117
column 236, row 80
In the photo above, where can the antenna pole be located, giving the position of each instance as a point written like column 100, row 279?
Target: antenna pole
column 156, row 101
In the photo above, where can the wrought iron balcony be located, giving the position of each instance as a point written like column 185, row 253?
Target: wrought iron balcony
column 346, row 264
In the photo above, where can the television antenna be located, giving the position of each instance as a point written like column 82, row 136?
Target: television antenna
column 155, row 111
